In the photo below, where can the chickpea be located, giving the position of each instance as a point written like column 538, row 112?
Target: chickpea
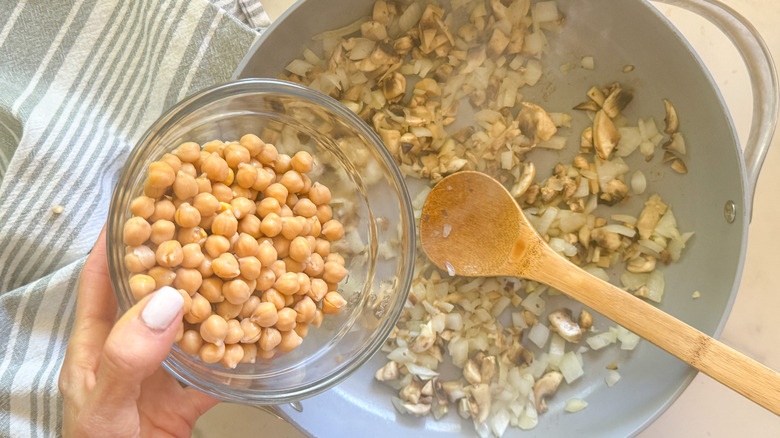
column 199, row 310
column 271, row 225
column 250, row 225
column 188, row 152
column 276, row 191
column 300, row 250
column 265, row 280
column 264, row 178
column 279, row 268
column 319, row 194
column 234, row 333
column 204, row 184
column 214, row 329
column 186, row 301
column 286, row 211
column 252, row 143
column 189, row 169
column 332, row 303
column 192, row 255
column 142, row 206
column 185, row 187
column 267, row 206
column 225, row 224
column 196, row 235
column 287, row 283
column 250, row 352
column 190, row 342
column 249, row 307
column 306, row 184
column 230, row 178
column 169, row 254
column 236, row 154
column 292, row 181
column 282, row 163
column 282, row 246
column 163, row 210
column 290, row 341
column 212, row 353
column 318, row 317
column 161, row 175
column 291, row 200
column 305, row 308
column 324, row 213
column 265, row 315
column 266, row 254
column 162, row 276
column 335, row 258
column 227, row 310
column 215, row 146
column 304, row 284
column 205, row 267
column 318, row 289
column 173, row 161
column 304, row 207
column 333, row 230
column 274, row 297
column 333, row 272
column 250, row 267
column 267, row 154
column 153, row 192
column 215, row 167
column 322, row 247
column 225, row 266
column 187, row 216
column 245, row 246
column 136, row 231
column 291, row 265
column 242, row 207
column 216, row 245
column 315, row 265
column 222, row 192
column 188, row 279
column 302, row 162
column 251, row 331
column 285, row 319
column 233, row 355
column 211, row 289
column 206, row 203
column 269, row 339
column 292, row 227
column 246, row 175
column 141, row 285
column 139, row 258
column 236, row 291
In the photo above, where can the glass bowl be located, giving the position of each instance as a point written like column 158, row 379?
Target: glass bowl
column 369, row 197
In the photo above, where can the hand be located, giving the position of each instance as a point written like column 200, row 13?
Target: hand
column 111, row 380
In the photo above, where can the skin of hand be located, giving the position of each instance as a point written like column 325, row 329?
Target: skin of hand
column 111, row 379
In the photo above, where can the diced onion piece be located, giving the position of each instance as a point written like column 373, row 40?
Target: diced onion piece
column 612, row 378
column 597, row 272
column 575, row 405
column 556, row 142
column 638, row 182
column 628, row 340
column 422, row 372
column 545, row 11
column 530, row 418
column 539, row 335
column 620, row 229
column 588, row 63
column 499, row 422
column 534, row 303
column 533, row 68
column 299, row 67
column 601, row 340
column 633, row 280
column 556, row 351
column 570, row 367
column 655, row 286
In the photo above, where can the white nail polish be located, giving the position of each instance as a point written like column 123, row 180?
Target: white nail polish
column 161, row 310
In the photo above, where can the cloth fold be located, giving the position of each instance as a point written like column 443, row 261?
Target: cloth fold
column 80, row 82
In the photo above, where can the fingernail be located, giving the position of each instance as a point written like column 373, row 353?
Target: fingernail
column 161, row 310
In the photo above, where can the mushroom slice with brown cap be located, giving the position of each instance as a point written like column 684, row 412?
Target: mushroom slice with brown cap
column 387, row 372
column 526, row 179
column 672, row 122
column 545, row 388
column 617, row 99
column 562, row 323
column 479, row 402
column 605, row 135
column 534, row 122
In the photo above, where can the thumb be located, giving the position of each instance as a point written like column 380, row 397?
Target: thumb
column 135, row 348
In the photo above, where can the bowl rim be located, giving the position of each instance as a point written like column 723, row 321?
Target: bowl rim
column 168, row 119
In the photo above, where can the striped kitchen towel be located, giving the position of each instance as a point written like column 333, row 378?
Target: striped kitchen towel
column 80, row 81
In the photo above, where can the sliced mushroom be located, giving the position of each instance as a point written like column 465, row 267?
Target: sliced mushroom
column 387, row 372
column 429, row 27
column 373, row 30
column 381, row 12
column 614, row 192
column 545, row 388
column 650, row 216
column 534, row 122
column 463, row 408
column 471, row 372
column 596, row 96
column 588, row 105
column 424, row 340
column 679, row 166
column 427, row 389
column 605, row 135
column 411, row 392
column 616, row 101
column 419, row 409
column 586, row 320
column 479, row 402
column 561, row 323
column 403, row 45
column 676, row 143
column 606, row 239
column 488, row 368
column 394, row 86
column 641, row 264
column 672, row 122
column 526, row 179
column 454, row 390
column 497, row 44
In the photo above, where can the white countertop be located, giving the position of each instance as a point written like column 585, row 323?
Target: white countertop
column 706, row 408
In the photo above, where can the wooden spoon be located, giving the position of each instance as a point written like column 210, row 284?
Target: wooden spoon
column 472, row 226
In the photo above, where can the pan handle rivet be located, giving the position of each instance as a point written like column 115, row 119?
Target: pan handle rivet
column 730, row 211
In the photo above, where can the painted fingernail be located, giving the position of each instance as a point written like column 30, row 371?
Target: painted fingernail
column 162, row 309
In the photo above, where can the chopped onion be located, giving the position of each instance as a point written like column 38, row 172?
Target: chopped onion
column 588, row 63
column 612, row 378
column 498, row 422
column 620, row 229
column 556, row 142
column 539, row 335
column 634, row 280
column 628, row 340
column 342, row 31
column 556, row 351
column 655, row 286
column 601, row 340
column 534, row 303
column 423, row 373
column 545, row 11
column 299, row 67
column 570, row 367
column 533, row 68
column 575, row 405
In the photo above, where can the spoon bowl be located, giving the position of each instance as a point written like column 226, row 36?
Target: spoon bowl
column 472, row 226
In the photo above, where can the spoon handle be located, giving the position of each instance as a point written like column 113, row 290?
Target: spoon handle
column 719, row 361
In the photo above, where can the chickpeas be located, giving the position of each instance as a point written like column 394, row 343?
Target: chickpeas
column 244, row 234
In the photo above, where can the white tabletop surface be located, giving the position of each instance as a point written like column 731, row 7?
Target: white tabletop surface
column 706, row 408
